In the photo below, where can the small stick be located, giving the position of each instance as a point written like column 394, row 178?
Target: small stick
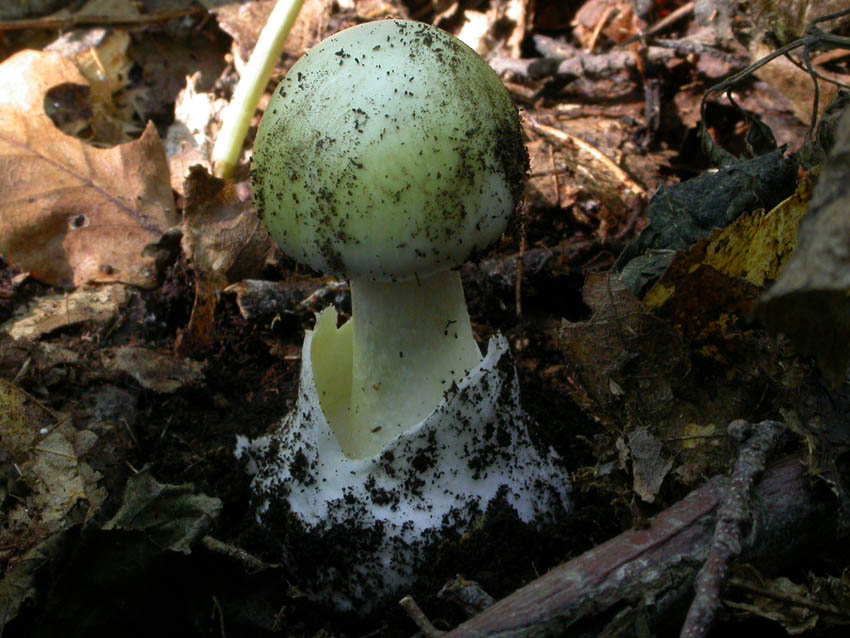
column 418, row 616
column 565, row 138
column 600, row 24
column 662, row 24
column 76, row 20
column 757, row 441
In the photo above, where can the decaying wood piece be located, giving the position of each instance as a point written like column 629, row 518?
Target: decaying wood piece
column 644, row 577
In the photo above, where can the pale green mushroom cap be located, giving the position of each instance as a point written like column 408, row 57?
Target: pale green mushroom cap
column 389, row 151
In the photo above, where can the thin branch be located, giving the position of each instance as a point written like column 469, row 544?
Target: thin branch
column 562, row 137
column 757, row 442
column 73, row 21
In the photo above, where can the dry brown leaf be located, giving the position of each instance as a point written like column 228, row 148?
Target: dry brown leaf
column 587, row 152
column 550, row 183
column 73, row 214
column 21, row 421
column 157, row 371
column 224, row 241
column 622, row 350
column 614, row 19
column 635, row 370
column 794, row 84
column 102, row 113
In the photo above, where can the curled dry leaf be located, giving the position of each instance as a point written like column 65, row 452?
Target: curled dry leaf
column 73, row 214
column 224, row 241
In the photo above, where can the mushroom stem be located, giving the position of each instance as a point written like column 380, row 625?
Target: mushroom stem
column 411, row 341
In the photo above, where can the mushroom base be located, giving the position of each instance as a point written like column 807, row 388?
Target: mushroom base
column 362, row 529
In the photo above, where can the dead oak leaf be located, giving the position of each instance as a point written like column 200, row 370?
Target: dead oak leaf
column 74, row 214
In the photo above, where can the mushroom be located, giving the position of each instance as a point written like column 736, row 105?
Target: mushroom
column 390, row 153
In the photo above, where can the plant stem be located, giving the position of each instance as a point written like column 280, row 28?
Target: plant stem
column 236, row 117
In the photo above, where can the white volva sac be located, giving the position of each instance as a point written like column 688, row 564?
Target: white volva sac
column 431, row 482
column 389, row 154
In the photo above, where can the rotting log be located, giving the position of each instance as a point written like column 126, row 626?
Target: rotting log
column 643, row 578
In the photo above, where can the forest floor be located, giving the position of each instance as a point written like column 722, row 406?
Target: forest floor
column 132, row 353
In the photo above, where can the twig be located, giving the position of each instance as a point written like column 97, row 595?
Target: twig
column 418, row 616
column 682, row 12
column 686, row 46
column 562, row 137
column 218, row 609
column 331, row 287
column 600, row 24
column 797, row 601
column 71, row 21
column 757, row 441
column 520, row 263
column 249, row 563
column 830, row 56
